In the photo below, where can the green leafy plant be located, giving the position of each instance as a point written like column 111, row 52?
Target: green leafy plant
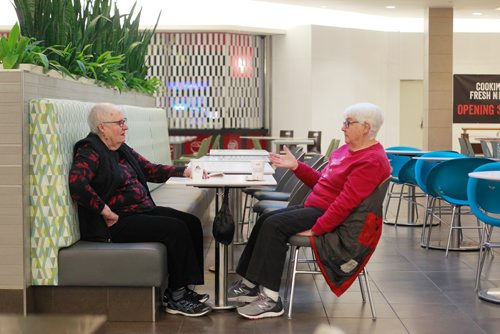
column 16, row 49
column 91, row 39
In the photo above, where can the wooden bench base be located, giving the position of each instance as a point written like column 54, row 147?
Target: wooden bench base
column 116, row 303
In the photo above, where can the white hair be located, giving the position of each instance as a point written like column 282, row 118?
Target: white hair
column 100, row 113
column 366, row 112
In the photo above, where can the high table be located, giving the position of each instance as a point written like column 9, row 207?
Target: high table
column 412, row 207
column 492, row 294
column 233, row 183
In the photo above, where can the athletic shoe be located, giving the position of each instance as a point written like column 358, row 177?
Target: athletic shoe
column 239, row 292
column 187, row 307
column 262, row 307
column 197, row 297
column 189, row 294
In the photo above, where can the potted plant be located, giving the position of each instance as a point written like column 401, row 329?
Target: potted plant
column 17, row 49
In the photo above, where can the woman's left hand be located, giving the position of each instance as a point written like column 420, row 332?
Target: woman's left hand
column 306, row 233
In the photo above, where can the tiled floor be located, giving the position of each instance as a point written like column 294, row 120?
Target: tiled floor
column 415, row 291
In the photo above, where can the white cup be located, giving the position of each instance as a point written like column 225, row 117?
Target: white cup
column 196, row 170
column 257, row 169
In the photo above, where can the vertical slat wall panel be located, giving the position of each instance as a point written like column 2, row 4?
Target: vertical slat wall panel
column 212, row 80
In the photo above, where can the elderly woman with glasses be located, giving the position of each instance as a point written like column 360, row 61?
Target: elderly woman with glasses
column 353, row 173
column 108, row 181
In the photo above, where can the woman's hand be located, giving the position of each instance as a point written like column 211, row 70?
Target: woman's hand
column 188, row 173
column 110, row 218
column 286, row 160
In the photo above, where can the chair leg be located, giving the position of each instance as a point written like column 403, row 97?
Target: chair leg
column 452, row 227
column 289, row 273
column 292, row 287
column 480, row 259
column 364, row 272
column 433, row 205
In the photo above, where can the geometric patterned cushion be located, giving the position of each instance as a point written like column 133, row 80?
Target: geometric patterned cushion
column 54, row 127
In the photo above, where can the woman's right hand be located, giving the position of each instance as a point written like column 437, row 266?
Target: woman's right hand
column 110, row 218
column 286, row 160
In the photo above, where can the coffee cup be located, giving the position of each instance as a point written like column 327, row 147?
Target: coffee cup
column 257, row 169
column 196, row 170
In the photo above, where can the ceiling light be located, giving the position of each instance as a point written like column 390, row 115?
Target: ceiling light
column 498, row 8
column 477, row 14
column 390, row 7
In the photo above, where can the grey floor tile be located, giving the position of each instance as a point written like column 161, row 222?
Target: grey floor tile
column 367, row 326
column 438, row 324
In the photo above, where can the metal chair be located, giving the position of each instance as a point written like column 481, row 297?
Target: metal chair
column 314, row 148
column 449, row 180
column 296, row 242
column 484, row 202
column 285, row 134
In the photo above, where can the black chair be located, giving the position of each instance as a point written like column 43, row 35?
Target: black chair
column 314, row 148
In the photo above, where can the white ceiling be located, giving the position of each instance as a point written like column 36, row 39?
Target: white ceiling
column 463, row 9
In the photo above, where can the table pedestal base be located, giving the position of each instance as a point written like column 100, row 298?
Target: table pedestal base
column 410, row 224
column 464, row 246
column 490, row 295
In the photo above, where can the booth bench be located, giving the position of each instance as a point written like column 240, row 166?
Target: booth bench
column 121, row 280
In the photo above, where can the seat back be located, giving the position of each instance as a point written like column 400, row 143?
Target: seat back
column 423, row 167
column 216, row 143
column 484, row 195
column 315, row 147
column 256, row 144
column 486, row 150
column 286, row 133
column 465, row 147
column 204, row 147
column 449, row 179
column 398, row 161
column 334, row 144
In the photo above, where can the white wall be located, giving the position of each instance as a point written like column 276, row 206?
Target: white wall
column 319, row 71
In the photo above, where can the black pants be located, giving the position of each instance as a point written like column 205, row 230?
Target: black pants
column 180, row 232
column 264, row 256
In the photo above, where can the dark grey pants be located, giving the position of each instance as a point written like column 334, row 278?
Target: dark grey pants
column 264, row 256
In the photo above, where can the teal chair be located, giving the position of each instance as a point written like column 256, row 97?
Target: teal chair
column 422, row 169
column 484, row 202
column 449, row 181
column 397, row 163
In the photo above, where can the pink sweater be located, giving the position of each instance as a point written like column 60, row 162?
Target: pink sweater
column 344, row 183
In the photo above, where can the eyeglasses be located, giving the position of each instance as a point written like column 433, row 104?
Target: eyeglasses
column 120, row 123
column 347, row 123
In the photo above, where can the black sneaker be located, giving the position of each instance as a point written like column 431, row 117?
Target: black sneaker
column 239, row 292
column 187, row 307
column 197, row 297
column 189, row 294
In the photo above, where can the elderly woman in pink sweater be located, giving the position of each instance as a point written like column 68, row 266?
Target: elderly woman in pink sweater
column 353, row 173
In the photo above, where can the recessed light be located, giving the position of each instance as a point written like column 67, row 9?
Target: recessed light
column 477, row 14
column 498, row 8
column 390, row 7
